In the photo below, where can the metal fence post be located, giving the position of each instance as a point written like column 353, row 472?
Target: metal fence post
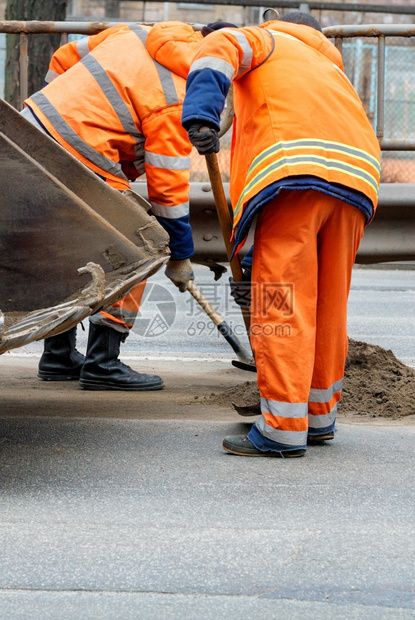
column 23, row 66
column 380, row 107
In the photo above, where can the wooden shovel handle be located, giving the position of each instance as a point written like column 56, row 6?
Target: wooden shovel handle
column 225, row 221
column 224, row 215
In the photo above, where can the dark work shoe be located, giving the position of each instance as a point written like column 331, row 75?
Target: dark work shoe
column 327, row 436
column 236, row 444
column 60, row 360
column 102, row 370
column 125, row 379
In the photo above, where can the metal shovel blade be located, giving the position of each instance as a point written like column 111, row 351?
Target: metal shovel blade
column 248, row 410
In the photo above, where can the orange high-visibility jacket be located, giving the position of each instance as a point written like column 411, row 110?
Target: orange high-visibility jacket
column 69, row 54
column 118, row 110
column 296, row 113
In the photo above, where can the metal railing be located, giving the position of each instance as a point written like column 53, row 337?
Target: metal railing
column 381, row 32
column 305, row 5
column 389, row 238
column 25, row 29
column 338, row 33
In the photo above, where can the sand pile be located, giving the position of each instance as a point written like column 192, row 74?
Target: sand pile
column 376, row 384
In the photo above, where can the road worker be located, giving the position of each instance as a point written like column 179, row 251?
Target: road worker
column 306, row 161
column 114, row 101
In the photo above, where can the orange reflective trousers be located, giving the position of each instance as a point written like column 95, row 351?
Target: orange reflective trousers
column 304, row 249
column 122, row 314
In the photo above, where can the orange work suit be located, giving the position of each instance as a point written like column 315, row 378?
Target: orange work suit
column 304, row 250
column 114, row 101
column 305, row 157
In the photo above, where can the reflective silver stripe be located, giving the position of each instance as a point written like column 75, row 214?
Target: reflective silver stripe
column 138, row 30
column 82, row 47
column 287, row 438
column 216, row 64
column 117, row 103
column 139, row 148
column 138, row 163
column 323, row 396
column 128, row 316
column 283, row 409
column 99, row 319
column 167, row 84
column 50, row 76
column 170, row 212
column 246, row 61
column 113, row 96
column 165, row 76
column 322, row 421
column 72, row 138
column 167, row 162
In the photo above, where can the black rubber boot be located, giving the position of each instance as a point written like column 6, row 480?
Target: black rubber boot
column 103, row 370
column 60, row 360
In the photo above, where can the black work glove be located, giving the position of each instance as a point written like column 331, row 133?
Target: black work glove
column 241, row 291
column 204, row 138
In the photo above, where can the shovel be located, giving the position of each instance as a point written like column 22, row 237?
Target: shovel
column 225, row 222
column 245, row 360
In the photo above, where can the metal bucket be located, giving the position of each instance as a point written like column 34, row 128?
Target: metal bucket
column 60, row 225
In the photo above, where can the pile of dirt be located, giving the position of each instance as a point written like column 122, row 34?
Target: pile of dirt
column 245, row 394
column 376, row 385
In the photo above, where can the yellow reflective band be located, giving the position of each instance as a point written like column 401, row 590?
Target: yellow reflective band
column 337, row 147
column 301, row 160
column 332, row 150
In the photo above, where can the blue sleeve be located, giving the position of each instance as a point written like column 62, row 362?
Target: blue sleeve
column 206, row 91
column 246, row 262
column 181, row 239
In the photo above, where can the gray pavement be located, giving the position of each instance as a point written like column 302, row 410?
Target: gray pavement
column 161, row 522
column 381, row 311
column 147, row 517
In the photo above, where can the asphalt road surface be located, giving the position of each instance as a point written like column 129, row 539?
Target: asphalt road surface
column 381, row 311
column 116, row 506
